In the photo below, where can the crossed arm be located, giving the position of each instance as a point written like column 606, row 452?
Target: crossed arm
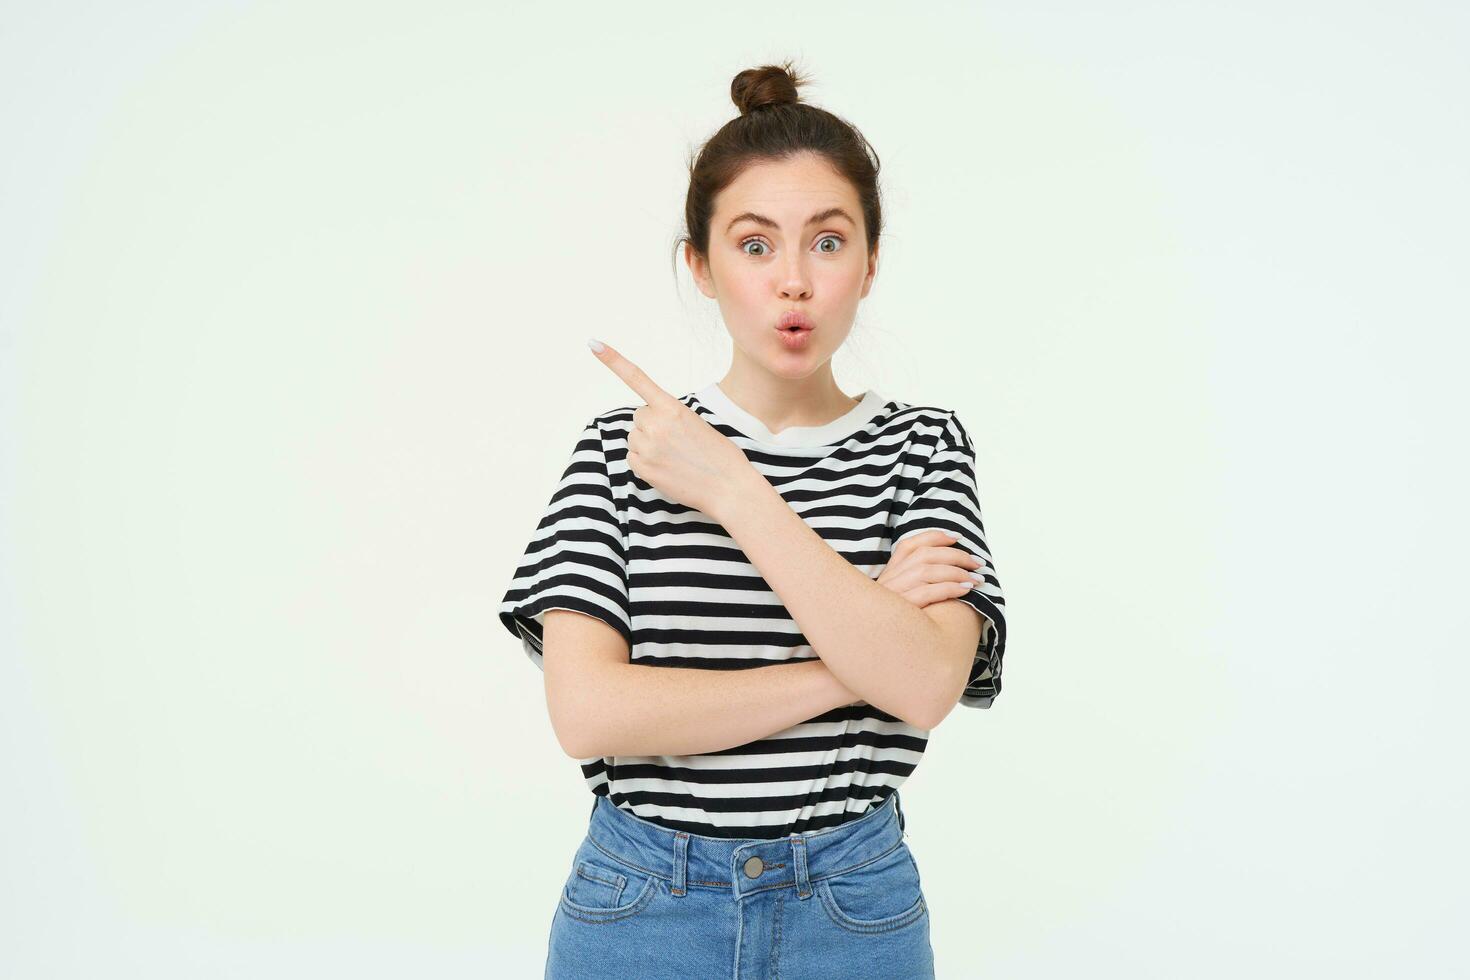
column 910, row 662
column 874, row 646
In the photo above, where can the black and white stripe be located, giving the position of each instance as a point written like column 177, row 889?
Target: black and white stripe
column 682, row 594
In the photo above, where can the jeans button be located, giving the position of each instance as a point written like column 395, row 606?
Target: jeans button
column 753, row 867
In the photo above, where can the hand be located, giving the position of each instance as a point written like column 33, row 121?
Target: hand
column 925, row 568
column 674, row 450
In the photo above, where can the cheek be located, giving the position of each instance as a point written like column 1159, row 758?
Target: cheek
column 856, row 268
column 737, row 283
column 747, row 293
column 843, row 282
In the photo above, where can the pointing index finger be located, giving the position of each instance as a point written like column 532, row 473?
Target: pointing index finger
column 632, row 375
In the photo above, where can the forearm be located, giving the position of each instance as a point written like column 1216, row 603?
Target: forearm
column 645, row 710
column 875, row 641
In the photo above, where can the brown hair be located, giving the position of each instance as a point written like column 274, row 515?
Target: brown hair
column 774, row 124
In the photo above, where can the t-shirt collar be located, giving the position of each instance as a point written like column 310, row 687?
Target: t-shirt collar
column 715, row 399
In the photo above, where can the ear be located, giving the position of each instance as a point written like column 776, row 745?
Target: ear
column 872, row 271
column 699, row 269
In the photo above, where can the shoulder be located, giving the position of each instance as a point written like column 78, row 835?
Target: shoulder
column 930, row 423
column 612, row 421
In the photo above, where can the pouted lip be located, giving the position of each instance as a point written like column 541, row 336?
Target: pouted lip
column 794, row 318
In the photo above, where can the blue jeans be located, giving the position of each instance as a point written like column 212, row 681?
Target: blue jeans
column 643, row 901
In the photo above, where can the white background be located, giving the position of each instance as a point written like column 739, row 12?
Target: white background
column 294, row 301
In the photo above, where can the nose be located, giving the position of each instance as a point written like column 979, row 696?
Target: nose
column 796, row 285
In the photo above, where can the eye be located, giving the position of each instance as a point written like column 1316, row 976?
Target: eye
column 752, row 241
column 837, row 239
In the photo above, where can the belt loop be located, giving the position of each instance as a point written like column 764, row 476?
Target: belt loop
column 681, row 863
column 798, row 861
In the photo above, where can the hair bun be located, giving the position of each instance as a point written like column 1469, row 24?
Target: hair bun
column 768, row 85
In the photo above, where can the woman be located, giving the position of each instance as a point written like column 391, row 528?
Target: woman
column 752, row 602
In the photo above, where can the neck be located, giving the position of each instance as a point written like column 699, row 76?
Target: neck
column 780, row 403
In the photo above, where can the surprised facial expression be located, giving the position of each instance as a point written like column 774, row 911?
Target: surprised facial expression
column 787, row 239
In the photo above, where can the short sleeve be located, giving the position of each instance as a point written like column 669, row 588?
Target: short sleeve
column 575, row 558
column 947, row 498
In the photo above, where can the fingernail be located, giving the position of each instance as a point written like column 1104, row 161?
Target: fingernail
column 596, row 345
column 977, row 576
column 951, row 535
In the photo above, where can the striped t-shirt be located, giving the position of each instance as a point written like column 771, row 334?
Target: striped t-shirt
column 683, row 594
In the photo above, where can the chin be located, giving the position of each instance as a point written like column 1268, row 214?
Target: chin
column 796, row 366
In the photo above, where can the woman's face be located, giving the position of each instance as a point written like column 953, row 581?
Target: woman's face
column 786, row 236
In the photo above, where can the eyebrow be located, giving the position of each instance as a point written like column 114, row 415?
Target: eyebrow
column 817, row 218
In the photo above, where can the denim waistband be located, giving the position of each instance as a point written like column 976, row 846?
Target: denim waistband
column 685, row 859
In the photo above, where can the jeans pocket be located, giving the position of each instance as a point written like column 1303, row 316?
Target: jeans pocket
column 602, row 889
column 878, row 896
